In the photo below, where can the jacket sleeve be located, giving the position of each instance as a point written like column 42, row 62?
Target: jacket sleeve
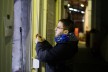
column 47, row 53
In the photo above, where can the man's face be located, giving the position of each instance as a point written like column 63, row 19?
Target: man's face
column 59, row 30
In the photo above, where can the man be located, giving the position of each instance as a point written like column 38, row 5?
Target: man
column 59, row 57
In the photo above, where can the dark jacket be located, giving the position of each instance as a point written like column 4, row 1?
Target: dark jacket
column 59, row 57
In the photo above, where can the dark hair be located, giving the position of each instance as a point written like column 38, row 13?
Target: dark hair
column 68, row 24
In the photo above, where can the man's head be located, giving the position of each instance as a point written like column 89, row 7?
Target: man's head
column 64, row 26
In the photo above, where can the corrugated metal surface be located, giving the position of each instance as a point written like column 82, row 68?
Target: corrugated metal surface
column 6, row 22
column 50, row 21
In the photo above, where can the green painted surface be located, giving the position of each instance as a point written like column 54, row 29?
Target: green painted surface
column 6, row 8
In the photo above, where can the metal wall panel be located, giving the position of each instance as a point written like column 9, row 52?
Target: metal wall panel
column 50, row 21
column 6, row 31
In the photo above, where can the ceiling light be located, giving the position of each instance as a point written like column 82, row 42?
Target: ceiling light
column 71, row 9
column 68, row 5
column 75, row 10
column 82, row 20
column 82, row 5
column 82, row 12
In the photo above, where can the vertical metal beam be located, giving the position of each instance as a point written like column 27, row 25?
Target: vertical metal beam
column 2, row 39
column 6, row 18
column 58, row 10
column 35, row 26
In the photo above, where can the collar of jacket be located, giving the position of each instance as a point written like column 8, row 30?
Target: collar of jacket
column 66, row 38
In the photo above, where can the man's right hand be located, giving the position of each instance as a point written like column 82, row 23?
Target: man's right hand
column 39, row 38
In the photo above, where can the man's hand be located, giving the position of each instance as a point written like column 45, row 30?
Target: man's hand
column 39, row 38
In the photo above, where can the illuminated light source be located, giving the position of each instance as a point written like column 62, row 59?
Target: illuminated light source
column 82, row 5
column 71, row 9
column 68, row 5
column 82, row 20
column 82, row 12
column 75, row 10
column 76, row 31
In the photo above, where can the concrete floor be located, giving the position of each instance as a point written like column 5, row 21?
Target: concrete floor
column 86, row 61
